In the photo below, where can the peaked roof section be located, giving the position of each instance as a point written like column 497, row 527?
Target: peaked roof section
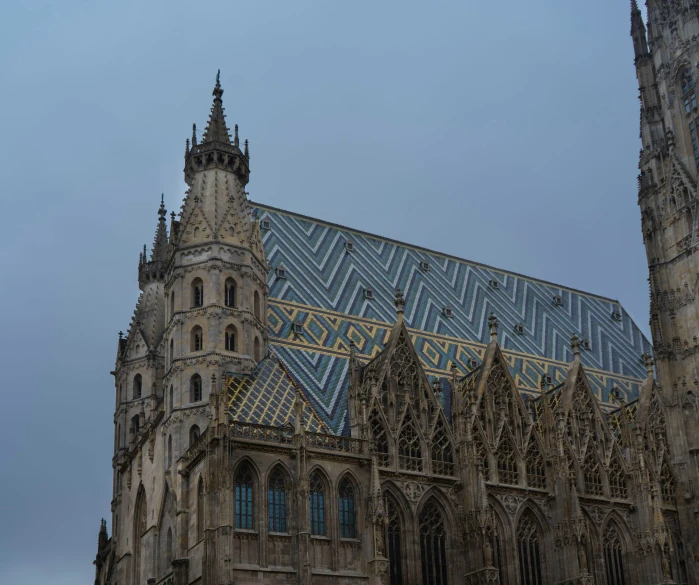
column 148, row 319
column 267, row 398
column 216, row 130
column 323, row 272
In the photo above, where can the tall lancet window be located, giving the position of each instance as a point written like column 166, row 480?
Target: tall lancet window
column 243, row 497
column 442, row 456
column 528, row 551
column 433, row 546
column 277, row 502
column 592, row 476
column 378, row 438
column 197, row 292
column 617, row 480
column 229, row 292
column 346, row 509
column 316, row 499
column 393, row 544
column 200, row 509
column 230, row 337
column 507, row 463
column 613, row 557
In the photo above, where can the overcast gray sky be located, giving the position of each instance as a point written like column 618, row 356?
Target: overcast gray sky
column 504, row 132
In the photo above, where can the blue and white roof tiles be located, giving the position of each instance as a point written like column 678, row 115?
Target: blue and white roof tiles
column 324, row 287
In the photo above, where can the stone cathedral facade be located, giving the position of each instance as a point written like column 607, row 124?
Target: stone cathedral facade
column 302, row 403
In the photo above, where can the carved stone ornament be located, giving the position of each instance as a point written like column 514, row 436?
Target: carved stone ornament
column 597, row 514
column 412, row 491
column 511, row 503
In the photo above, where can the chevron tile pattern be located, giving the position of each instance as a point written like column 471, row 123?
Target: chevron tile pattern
column 322, row 273
column 325, row 284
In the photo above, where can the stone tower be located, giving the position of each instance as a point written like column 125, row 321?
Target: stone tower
column 667, row 67
column 201, row 314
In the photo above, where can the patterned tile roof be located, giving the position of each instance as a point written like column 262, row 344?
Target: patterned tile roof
column 267, row 397
column 325, row 288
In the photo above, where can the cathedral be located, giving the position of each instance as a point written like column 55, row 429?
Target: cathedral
column 299, row 402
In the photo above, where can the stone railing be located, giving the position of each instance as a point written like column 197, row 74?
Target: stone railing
column 334, row 443
column 486, row 576
column 278, row 435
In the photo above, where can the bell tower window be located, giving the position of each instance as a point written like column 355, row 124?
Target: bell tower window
column 229, row 292
column 197, row 292
column 230, row 338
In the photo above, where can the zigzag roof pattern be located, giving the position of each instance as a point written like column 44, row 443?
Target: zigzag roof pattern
column 324, row 287
column 320, row 272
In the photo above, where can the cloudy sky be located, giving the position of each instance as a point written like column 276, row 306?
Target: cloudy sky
column 504, row 132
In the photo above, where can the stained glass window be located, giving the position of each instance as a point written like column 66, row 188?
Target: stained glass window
column 243, row 498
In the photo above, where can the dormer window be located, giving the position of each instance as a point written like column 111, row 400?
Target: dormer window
column 368, row 293
column 425, row 266
column 281, row 272
column 349, row 247
column 265, row 225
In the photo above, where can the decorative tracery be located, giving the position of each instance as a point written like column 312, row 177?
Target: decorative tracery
column 393, row 544
column 592, row 476
column 617, row 480
column 403, row 365
column 409, row 448
column 536, row 472
column 442, row 456
column 379, row 438
column 667, row 486
column 481, row 454
column 507, row 463
column 613, row 556
column 529, row 552
column 433, row 552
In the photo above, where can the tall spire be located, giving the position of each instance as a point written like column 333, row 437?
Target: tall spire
column 215, row 149
column 216, row 130
column 159, row 252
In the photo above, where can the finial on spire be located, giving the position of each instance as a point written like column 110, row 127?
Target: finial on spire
column 400, row 303
column 186, row 148
column 247, row 149
column 162, row 212
column 121, row 335
column 218, row 91
column 194, row 135
column 493, row 324
column 218, row 77
column 575, row 346
column 236, row 140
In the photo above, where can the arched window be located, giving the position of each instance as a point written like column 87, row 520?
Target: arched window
column 667, row 486
column 277, row 502
column 197, row 339
column 229, row 292
column 256, row 350
column 528, row 551
column 231, row 335
column 197, row 292
column 256, row 305
column 172, row 351
column 442, row 456
column 409, row 448
column 688, row 92
column 393, row 544
column 613, row 557
column 536, row 472
column 169, row 450
column 200, row 509
column 193, row 434
column 136, row 423
column 195, row 388
column 379, row 439
column 317, row 505
column 433, row 549
column 617, row 480
column 137, row 386
column 346, row 508
column 172, row 397
column 507, row 463
column 168, row 548
column 172, row 304
column 243, row 497
column 592, row 476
